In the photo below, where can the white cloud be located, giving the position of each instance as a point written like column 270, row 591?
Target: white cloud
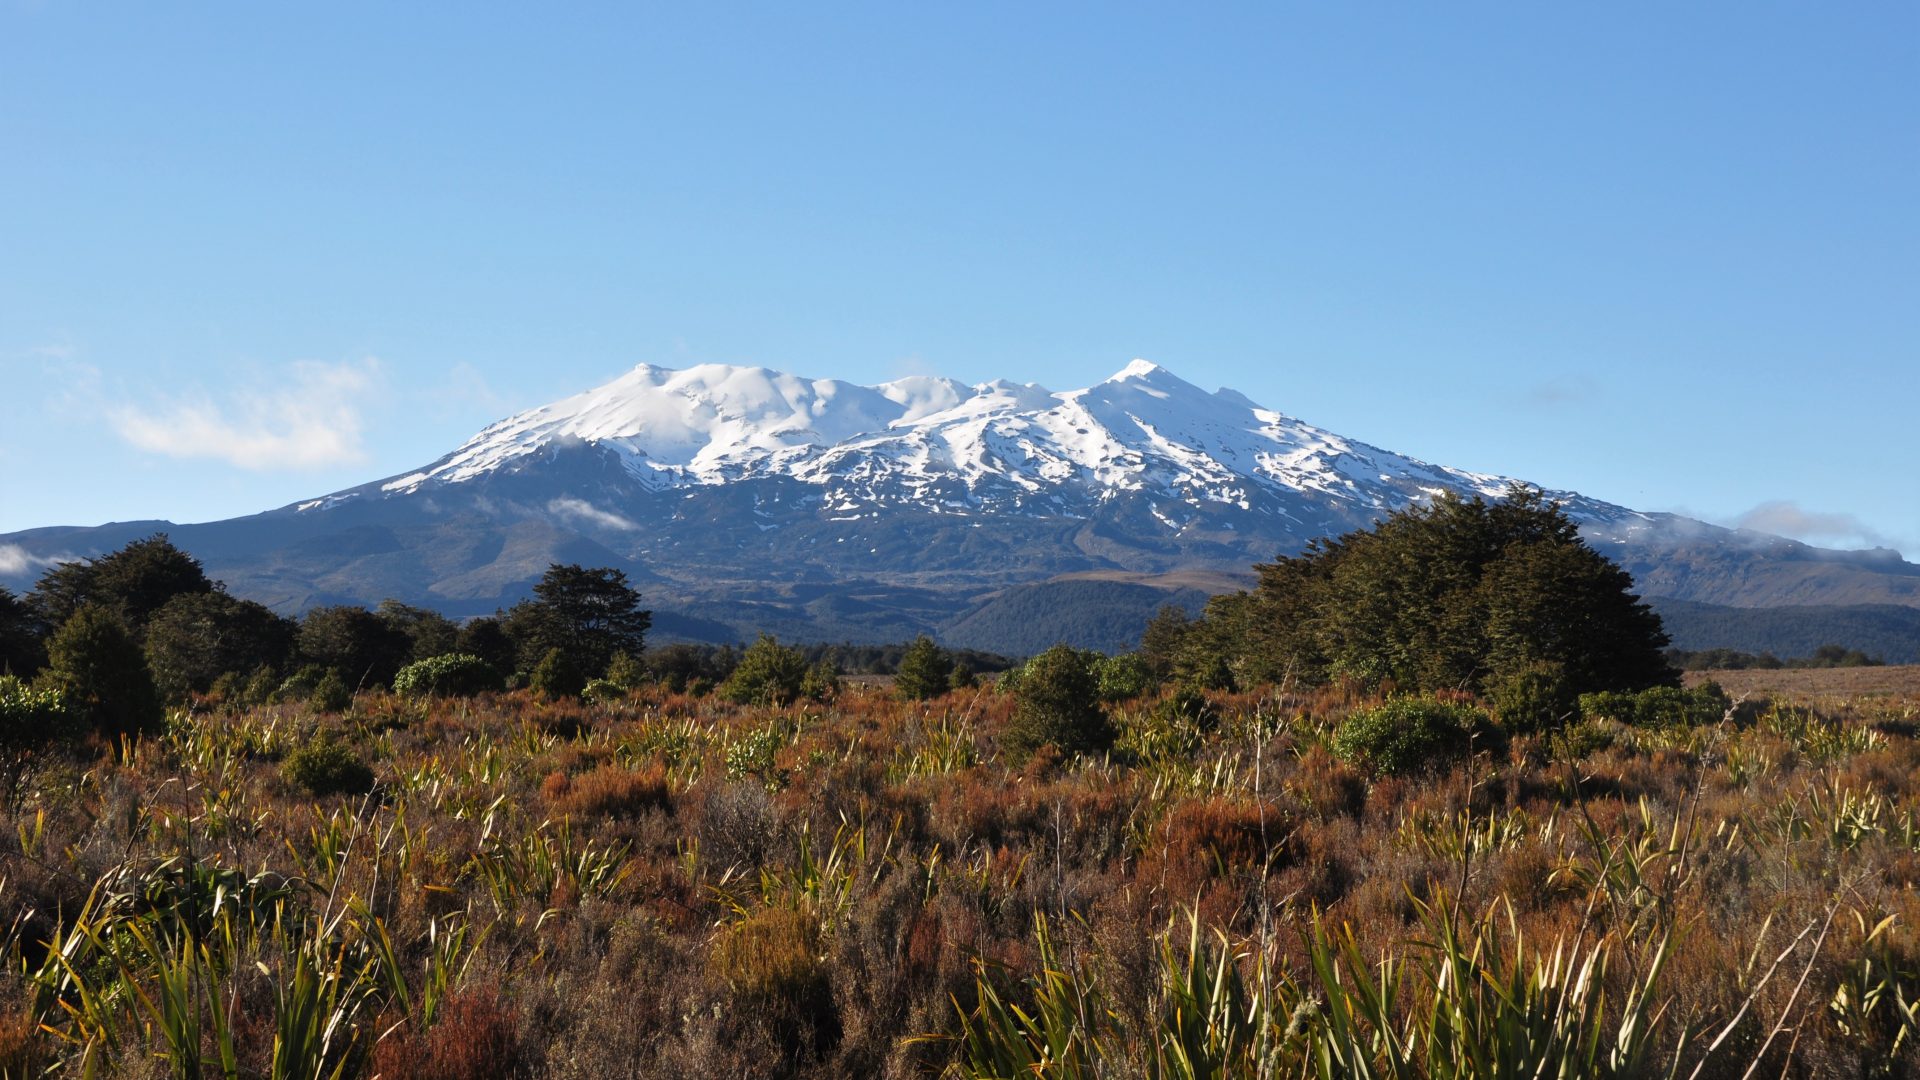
column 1784, row 518
column 15, row 561
column 580, row 510
column 310, row 420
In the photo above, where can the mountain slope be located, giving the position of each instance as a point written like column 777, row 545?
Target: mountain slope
column 741, row 499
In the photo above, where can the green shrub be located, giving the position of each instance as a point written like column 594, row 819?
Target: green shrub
column 323, row 766
column 1187, row 705
column 31, row 718
column 557, row 676
column 331, row 694
column 259, row 687
column 1123, row 677
column 1659, row 706
column 1408, row 734
column 626, row 671
column 449, row 675
column 1537, row 697
column 822, row 681
column 297, row 686
column 102, row 673
column 755, row 755
column 1209, row 671
column 603, row 692
column 769, row 673
column 1057, row 703
column 925, row 671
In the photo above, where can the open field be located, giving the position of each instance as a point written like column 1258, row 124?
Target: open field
column 670, row 886
column 1818, row 683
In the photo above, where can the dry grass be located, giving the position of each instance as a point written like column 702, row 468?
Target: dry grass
column 622, row 891
column 1902, row 680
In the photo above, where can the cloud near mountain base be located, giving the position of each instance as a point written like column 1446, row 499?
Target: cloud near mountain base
column 1785, row 518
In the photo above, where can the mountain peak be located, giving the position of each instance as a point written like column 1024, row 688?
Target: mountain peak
column 1139, row 369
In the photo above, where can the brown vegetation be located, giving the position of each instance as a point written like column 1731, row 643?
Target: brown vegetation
column 670, row 885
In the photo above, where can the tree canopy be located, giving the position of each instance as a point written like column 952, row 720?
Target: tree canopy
column 21, row 652
column 588, row 614
column 195, row 638
column 1456, row 594
column 95, row 663
column 133, row 582
column 364, row 648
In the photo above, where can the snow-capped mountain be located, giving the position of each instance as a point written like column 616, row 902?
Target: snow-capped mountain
column 740, row 498
column 941, row 446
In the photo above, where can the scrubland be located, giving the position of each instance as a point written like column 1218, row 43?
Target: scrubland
column 663, row 885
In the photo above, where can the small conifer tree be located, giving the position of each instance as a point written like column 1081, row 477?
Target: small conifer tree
column 925, row 671
column 769, row 673
column 1057, row 703
column 558, row 676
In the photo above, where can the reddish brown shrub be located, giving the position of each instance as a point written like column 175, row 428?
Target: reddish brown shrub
column 609, row 791
column 1226, row 834
column 477, row 1038
column 19, row 1045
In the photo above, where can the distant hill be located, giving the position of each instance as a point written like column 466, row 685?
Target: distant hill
column 1104, row 615
column 1889, row 631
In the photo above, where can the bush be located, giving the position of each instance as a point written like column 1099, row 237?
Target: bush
column 102, row 673
column 626, row 672
column 610, row 791
column 1123, row 677
column 768, row 674
column 1175, row 727
column 1537, row 697
column 557, row 676
column 297, row 686
column 331, row 694
column 1659, row 706
column 448, row 675
column 755, row 755
column 32, row 718
column 1408, row 734
column 822, row 682
column 772, row 954
column 603, row 692
column 326, row 767
column 1057, row 703
column 925, row 671
column 1188, row 705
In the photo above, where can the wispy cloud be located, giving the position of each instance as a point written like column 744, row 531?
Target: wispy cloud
column 1785, row 518
column 308, row 419
column 16, row 561
column 581, row 511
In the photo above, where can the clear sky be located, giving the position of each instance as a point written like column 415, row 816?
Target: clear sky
column 1663, row 254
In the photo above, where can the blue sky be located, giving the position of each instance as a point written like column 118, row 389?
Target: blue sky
column 1662, row 254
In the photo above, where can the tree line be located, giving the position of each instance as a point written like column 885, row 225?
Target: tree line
column 118, row 636
column 121, row 634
